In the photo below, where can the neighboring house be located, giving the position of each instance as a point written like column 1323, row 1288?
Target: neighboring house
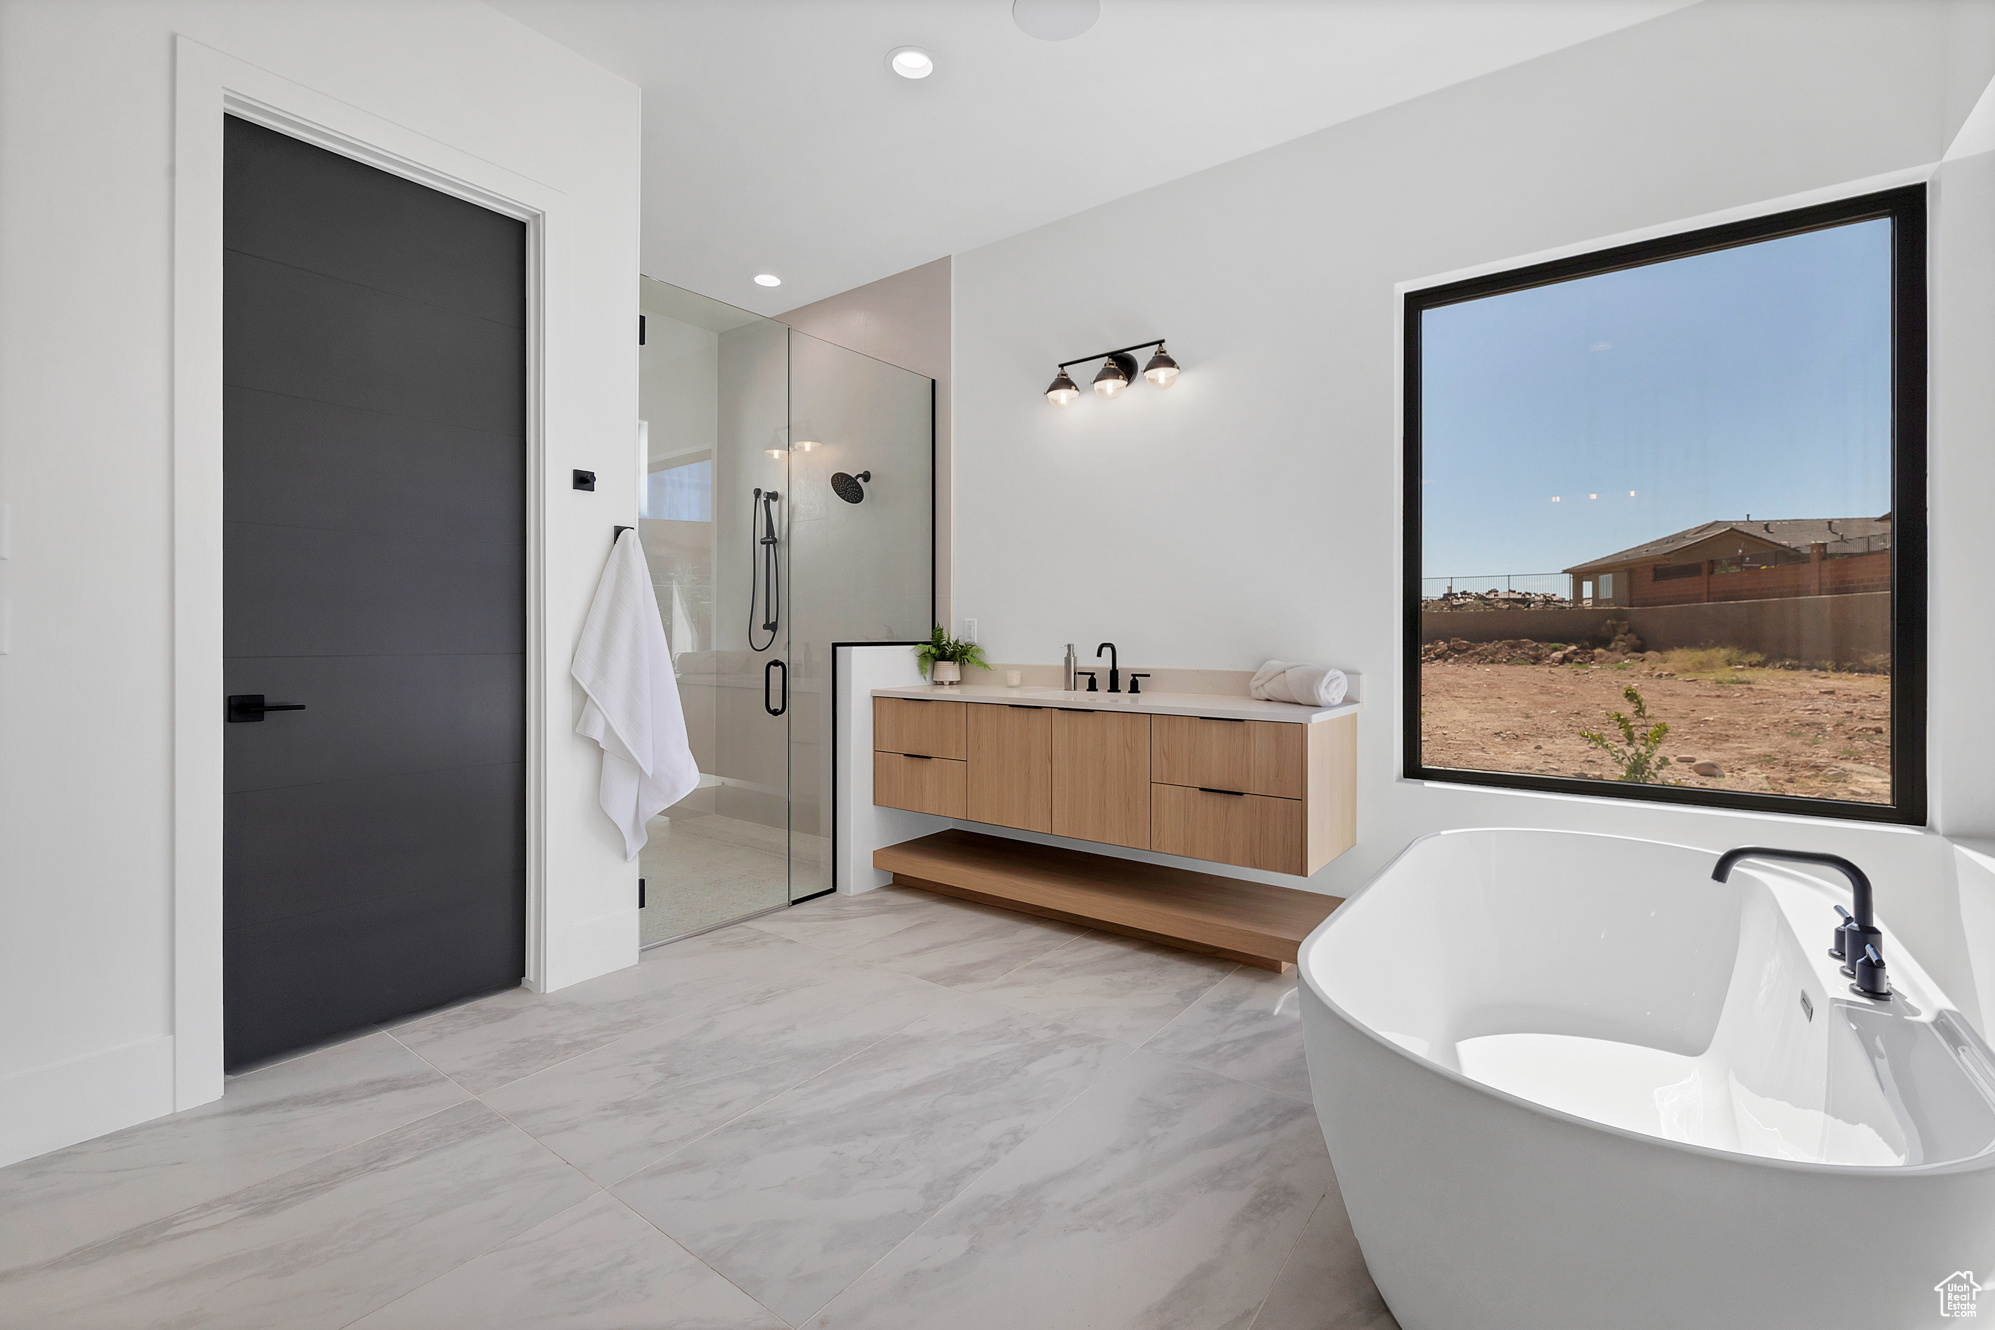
column 1746, row 560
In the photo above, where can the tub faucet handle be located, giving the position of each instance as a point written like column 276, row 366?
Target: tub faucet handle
column 1840, row 951
column 1870, row 980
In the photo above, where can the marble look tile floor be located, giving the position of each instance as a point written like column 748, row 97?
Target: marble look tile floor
column 892, row 1111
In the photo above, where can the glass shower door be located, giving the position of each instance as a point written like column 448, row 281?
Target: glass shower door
column 788, row 504
column 714, row 400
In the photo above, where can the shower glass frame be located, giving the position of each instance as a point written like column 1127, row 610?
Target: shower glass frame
column 849, row 574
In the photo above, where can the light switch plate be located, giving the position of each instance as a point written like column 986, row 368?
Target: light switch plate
column 969, row 630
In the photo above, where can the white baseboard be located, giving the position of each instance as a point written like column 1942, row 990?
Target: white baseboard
column 50, row 1107
column 596, row 946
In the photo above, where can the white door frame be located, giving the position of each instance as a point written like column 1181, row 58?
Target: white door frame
column 208, row 84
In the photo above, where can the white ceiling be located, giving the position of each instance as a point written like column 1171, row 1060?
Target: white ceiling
column 777, row 140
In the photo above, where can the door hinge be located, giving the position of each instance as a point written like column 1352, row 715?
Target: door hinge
column 640, row 893
column 640, row 330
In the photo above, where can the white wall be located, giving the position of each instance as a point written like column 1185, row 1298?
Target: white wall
column 90, row 1000
column 1253, row 510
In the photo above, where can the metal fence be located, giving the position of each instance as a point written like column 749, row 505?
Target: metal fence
column 1484, row 589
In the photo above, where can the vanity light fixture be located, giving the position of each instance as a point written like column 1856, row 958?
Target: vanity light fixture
column 911, row 62
column 1114, row 375
column 1118, row 371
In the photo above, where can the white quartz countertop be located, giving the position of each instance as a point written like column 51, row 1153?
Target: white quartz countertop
column 1224, row 706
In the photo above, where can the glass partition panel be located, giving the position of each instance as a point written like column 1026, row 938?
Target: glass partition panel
column 714, row 399
column 787, row 503
column 862, row 552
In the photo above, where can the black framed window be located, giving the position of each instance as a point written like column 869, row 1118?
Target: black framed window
column 1665, row 518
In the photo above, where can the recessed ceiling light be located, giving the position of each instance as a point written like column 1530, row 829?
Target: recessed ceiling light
column 767, row 279
column 911, row 62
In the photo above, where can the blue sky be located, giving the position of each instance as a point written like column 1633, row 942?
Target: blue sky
column 1751, row 380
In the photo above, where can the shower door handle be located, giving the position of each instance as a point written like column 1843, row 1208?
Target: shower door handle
column 785, row 704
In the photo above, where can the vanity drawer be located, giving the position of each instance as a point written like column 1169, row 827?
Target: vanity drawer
column 1251, row 830
column 909, row 725
column 920, row 784
column 1253, row 756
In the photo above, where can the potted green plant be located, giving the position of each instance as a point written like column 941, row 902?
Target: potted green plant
column 942, row 657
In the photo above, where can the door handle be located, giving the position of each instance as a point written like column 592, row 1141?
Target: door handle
column 249, row 708
column 785, row 706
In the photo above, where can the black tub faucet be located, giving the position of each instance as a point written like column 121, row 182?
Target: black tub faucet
column 1859, row 941
column 1114, row 674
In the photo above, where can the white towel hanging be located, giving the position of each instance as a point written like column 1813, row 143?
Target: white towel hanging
column 625, row 667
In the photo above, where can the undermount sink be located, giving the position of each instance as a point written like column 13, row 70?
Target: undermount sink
column 1079, row 695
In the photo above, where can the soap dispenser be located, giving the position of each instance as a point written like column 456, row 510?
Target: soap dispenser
column 1073, row 664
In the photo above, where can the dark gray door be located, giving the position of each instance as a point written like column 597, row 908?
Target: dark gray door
column 375, row 447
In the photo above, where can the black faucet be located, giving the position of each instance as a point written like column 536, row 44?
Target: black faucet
column 1114, row 674
column 1859, row 941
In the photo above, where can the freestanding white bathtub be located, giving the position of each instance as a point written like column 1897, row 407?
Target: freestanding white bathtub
column 1568, row 1081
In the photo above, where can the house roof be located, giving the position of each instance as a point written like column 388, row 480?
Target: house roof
column 1843, row 535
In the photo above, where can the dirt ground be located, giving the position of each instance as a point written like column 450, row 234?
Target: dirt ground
column 1799, row 732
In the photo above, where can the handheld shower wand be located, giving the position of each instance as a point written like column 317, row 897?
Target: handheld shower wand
column 765, row 577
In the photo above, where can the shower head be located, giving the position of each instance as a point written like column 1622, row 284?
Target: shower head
column 847, row 488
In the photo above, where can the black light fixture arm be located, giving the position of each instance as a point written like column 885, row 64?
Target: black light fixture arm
column 1104, row 355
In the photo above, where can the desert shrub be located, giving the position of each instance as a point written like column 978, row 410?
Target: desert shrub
column 1637, row 752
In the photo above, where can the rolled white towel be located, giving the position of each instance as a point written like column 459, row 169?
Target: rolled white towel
column 1304, row 685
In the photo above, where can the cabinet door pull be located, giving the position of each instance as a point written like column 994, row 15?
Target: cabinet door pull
column 920, row 757
column 1226, row 720
column 1207, row 789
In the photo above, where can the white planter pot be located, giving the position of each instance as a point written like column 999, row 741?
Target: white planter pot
column 945, row 671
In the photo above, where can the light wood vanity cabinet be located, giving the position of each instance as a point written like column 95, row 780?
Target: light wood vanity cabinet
column 1273, row 795
column 1011, row 766
column 1251, row 756
column 1101, row 777
column 931, row 728
column 920, row 784
column 1252, row 830
column 918, row 763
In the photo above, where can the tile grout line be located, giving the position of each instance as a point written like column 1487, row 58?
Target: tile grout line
column 792, row 1087
column 444, row 1274
column 1293, row 1247
column 1030, row 960
column 695, row 1256
column 432, row 1066
column 1187, row 1008
column 965, row 1189
column 551, row 1152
